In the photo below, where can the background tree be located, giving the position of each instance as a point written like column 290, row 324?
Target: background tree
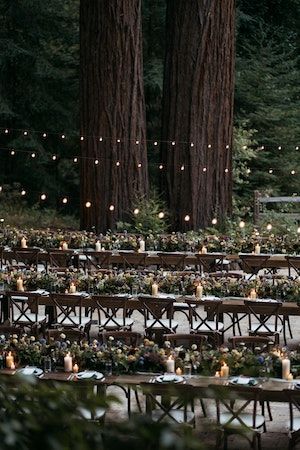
column 198, row 109
column 112, row 106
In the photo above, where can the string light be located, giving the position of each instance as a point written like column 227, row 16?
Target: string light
column 137, row 142
column 160, row 167
column 209, row 146
column 242, row 224
column 173, row 142
column 111, row 208
column 23, row 192
column 136, row 211
column 192, row 144
column 293, row 172
column 244, row 147
column 32, row 155
column 54, row 157
column 248, row 170
column 269, row 227
column 118, row 140
column 155, row 143
column 44, row 135
column 25, row 133
column 270, row 170
column 12, row 153
column 118, row 163
column 297, row 148
column 100, row 139
column 227, row 146
column 182, row 168
column 214, row 221
column 82, row 138
column 65, row 200
column 204, row 169
column 6, row 131
column 161, row 215
column 75, row 159
column 1, row 188
column 279, row 148
column 43, row 197
column 186, row 218
column 88, row 204
column 298, row 230
column 139, row 165
column 96, row 162
column 63, row 136
column 226, row 170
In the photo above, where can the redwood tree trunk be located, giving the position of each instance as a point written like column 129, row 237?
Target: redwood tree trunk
column 112, row 108
column 198, row 109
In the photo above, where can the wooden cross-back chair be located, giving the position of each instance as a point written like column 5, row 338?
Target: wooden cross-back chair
column 173, row 403
column 171, row 261
column 134, row 260
column 293, row 263
column 206, row 323
column 293, row 424
column 233, row 415
column 25, row 311
column 60, row 259
column 26, row 256
column 264, row 319
column 71, row 311
column 209, row 262
column 69, row 333
column 251, row 342
column 97, row 260
column 112, row 312
column 158, row 315
column 252, row 264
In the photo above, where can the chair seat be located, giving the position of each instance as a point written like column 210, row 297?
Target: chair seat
column 296, row 424
column 161, row 324
column 116, row 323
column 207, row 326
column 29, row 318
column 73, row 321
column 257, row 328
column 177, row 414
column 87, row 414
column 246, row 420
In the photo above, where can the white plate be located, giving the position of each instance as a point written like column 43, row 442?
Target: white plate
column 170, row 378
column 31, row 371
column 244, row 381
column 90, row 374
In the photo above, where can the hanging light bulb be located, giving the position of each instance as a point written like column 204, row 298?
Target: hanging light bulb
column 82, row 138
column 6, row 131
column 155, row 143
column 214, row 221
column 242, row 224
column 139, row 165
column 12, row 153
column 118, row 163
column 111, row 208
column 54, row 157
column 192, row 144
column 187, row 218
column 137, row 142
column 33, row 155
column 161, row 215
column 75, row 160
column 63, row 136
column 25, row 133
column 96, row 162
column 226, row 170
column 269, row 227
column 65, row 200
column 44, row 135
column 160, row 167
column 100, row 139
column 136, row 211
column 43, row 197
column 173, row 142
column 204, row 169
column 23, row 192
column 88, row 204
column 182, row 168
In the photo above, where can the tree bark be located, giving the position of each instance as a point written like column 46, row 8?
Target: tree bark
column 112, row 107
column 198, row 109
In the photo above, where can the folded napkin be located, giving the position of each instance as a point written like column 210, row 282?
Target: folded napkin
column 31, row 371
column 90, row 374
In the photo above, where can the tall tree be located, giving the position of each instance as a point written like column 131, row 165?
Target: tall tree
column 198, row 109
column 112, row 107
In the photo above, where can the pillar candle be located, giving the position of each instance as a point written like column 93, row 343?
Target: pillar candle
column 154, row 289
column 286, row 368
column 64, row 245
column 199, row 290
column 224, row 371
column 20, row 286
column 75, row 368
column 142, row 245
column 72, row 288
column 68, row 363
column 23, row 243
column 170, row 365
column 98, row 246
column 253, row 295
column 9, row 361
column 257, row 249
column 203, row 249
column 178, row 371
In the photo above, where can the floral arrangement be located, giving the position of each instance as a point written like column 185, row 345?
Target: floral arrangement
column 147, row 357
column 235, row 241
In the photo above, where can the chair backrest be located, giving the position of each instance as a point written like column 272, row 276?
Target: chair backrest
column 22, row 305
column 235, row 400
column 293, row 398
column 28, row 255
column 209, row 262
column 130, row 338
column 251, row 341
column 157, row 308
column 133, row 259
column 253, row 263
column 213, row 310
column 172, row 261
column 263, row 312
column 293, row 263
column 67, row 307
column 9, row 330
column 167, row 397
column 186, row 340
column 98, row 260
column 70, row 334
column 60, row 258
column 108, row 307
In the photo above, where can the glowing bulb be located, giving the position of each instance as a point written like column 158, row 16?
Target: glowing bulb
column 117, row 163
column 293, row 172
column 173, row 142
column 214, row 221
column 43, row 196
column 227, row 146
column 137, row 142
column 23, row 192
column 63, row 136
column 209, row 146
column 111, row 208
column 297, row 148
column 96, row 162
column 298, row 230
column 192, row 144
column 54, row 157
column 270, row 170
column 88, row 204
column 65, row 200
column 182, row 167
column 136, row 211
column 204, row 169
column 226, row 170
column 0, row 188
column 155, row 143
column 279, row 148
column 118, row 140
column 6, row 131
column 75, row 160
column 100, row 139
column 1, row 220
column 242, row 224
column 33, row 155
column 248, row 170
column 25, row 133
column 160, row 167
column 161, row 215
column 262, row 147
column 244, row 147
column 12, row 153
column 44, row 135
column 269, row 227
column 82, row 138
column 139, row 165
column 187, row 218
